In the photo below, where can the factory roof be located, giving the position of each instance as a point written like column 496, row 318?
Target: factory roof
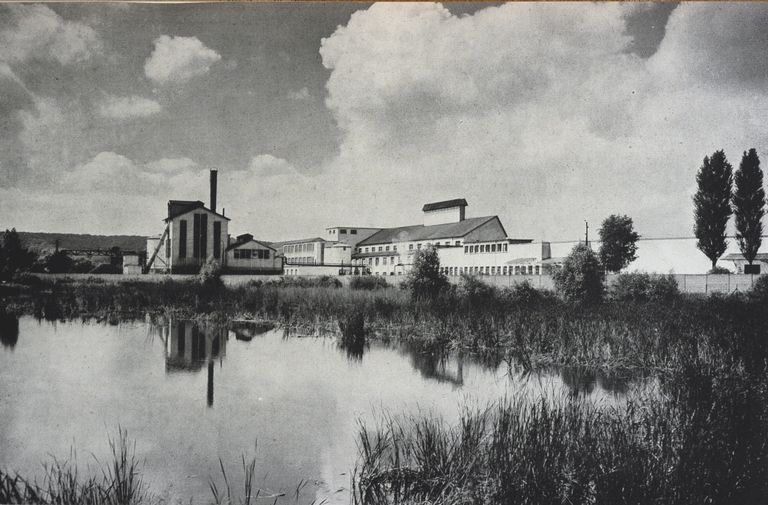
column 421, row 232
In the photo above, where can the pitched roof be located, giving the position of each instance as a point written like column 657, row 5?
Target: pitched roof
column 739, row 256
column 277, row 245
column 421, row 232
column 177, row 208
column 445, row 204
column 246, row 239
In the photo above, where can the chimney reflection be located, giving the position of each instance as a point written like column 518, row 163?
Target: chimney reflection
column 189, row 345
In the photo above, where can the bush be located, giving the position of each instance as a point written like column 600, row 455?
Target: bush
column 368, row 282
column 210, row 275
column 475, row 292
column 759, row 291
column 642, row 287
column 523, row 295
column 719, row 271
column 425, row 279
column 580, row 280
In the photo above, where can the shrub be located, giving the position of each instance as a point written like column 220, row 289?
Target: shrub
column 580, row 280
column 368, row 282
column 210, row 275
column 759, row 290
column 523, row 295
column 475, row 291
column 719, row 271
column 640, row 286
column 425, row 279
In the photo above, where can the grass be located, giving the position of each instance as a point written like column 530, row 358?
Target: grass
column 119, row 481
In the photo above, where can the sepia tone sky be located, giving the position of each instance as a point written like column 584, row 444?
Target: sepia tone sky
column 355, row 114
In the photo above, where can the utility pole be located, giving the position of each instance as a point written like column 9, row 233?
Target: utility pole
column 586, row 233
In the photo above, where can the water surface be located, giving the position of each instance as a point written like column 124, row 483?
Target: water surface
column 189, row 394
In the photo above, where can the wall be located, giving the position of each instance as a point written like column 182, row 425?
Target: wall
column 190, row 260
column 273, row 263
column 441, row 216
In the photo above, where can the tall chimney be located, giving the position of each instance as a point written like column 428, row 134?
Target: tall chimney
column 213, row 189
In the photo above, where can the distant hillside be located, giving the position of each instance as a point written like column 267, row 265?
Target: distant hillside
column 46, row 242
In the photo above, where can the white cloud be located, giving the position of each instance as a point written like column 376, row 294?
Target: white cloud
column 538, row 113
column 267, row 165
column 36, row 31
column 178, row 59
column 300, row 95
column 128, row 107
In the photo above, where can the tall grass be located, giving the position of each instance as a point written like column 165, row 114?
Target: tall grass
column 119, row 482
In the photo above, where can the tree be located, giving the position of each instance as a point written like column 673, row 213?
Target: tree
column 618, row 242
column 14, row 257
column 712, row 207
column 749, row 205
column 580, row 279
column 425, row 279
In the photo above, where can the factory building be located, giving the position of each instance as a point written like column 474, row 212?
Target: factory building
column 246, row 255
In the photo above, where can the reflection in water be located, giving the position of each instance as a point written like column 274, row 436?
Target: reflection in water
column 9, row 329
column 582, row 380
column 190, row 344
column 436, row 364
column 246, row 330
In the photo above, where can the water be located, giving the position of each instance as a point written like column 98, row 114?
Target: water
column 189, row 394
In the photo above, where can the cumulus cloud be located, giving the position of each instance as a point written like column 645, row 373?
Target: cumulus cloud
column 538, row 112
column 178, row 59
column 36, row 31
column 128, row 107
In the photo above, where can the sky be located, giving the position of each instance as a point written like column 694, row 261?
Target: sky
column 320, row 115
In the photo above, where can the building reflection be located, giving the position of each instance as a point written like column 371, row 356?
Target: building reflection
column 9, row 329
column 191, row 345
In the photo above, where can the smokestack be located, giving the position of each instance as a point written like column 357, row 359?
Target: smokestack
column 213, row 189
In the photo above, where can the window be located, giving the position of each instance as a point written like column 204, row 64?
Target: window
column 392, row 260
column 447, row 242
column 377, row 262
column 217, row 239
column 458, row 242
column 504, row 271
column 466, row 249
column 353, row 232
column 383, row 261
column 204, row 235
column 505, row 247
column 394, row 248
column 493, row 270
column 386, row 248
column 343, row 231
column 196, row 236
column 486, row 270
column 266, row 254
column 183, row 238
column 410, row 247
column 538, row 270
column 418, row 246
column 493, row 247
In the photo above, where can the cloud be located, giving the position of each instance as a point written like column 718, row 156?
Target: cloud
column 36, row 31
column 178, row 59
column 128, row 107
column 300, row 95
column 538, row 112
column 266, row 165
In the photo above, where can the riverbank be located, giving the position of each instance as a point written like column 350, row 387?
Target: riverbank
column 530, row 326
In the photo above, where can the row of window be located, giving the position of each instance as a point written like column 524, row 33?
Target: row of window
column 342, row 231
column 375, row 261
column 297, row 248
column 246, row 254
column 302, row 260
column 485, row 248
column 410, row 246
column 493, row 270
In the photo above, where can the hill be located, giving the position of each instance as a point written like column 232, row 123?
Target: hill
column 46, row 242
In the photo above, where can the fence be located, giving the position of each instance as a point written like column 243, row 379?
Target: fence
column 687, row 283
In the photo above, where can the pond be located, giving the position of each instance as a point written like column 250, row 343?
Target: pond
column 190, row 393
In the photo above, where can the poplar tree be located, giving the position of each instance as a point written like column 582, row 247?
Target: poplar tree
column 712, row 205
column 749, row 205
